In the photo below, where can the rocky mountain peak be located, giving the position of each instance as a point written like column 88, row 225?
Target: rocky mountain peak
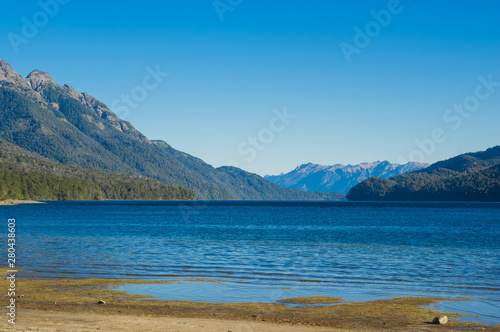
column 38, row 78
column 71, row 91
column 6, row 70
column 9, row 75
column 304, row 166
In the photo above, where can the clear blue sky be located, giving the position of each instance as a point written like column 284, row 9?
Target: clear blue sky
column 227, row 76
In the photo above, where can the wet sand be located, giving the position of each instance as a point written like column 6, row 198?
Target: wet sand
column 72, row 305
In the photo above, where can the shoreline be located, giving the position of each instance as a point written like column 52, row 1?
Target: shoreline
column 18, row 201
column 54, row 302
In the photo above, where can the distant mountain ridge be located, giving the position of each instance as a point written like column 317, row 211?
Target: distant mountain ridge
column 72, row 128
column 339, row 178
column 468, row 177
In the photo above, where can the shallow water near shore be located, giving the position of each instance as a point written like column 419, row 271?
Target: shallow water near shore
column 264, row 251
column 480, row 310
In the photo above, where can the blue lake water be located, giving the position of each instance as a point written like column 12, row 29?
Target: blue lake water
column 358, row 251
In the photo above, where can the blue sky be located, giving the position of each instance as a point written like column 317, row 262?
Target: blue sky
column 228, row 78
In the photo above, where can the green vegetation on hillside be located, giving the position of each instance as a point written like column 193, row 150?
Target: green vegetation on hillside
column 36, row 186
column 469, row 177
column 64, row 129
column 24, row 175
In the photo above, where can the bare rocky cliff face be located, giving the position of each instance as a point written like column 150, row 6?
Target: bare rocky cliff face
column 34, row 85
column 38, row 80
column 9, row 75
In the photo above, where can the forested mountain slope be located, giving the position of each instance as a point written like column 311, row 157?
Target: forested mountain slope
column 26, row 175
column 468, row 177
column 72, row 128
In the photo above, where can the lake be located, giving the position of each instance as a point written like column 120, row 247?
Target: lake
column 264, row 251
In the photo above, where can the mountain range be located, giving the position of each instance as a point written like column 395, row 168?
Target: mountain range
column 339, row 178
column 57, row 143
column 468, row 177
column 66, row 127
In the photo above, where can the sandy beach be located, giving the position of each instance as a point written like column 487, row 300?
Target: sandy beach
column 49, row 320
column 41, row 320
column 17, row 201
column 74, row 305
